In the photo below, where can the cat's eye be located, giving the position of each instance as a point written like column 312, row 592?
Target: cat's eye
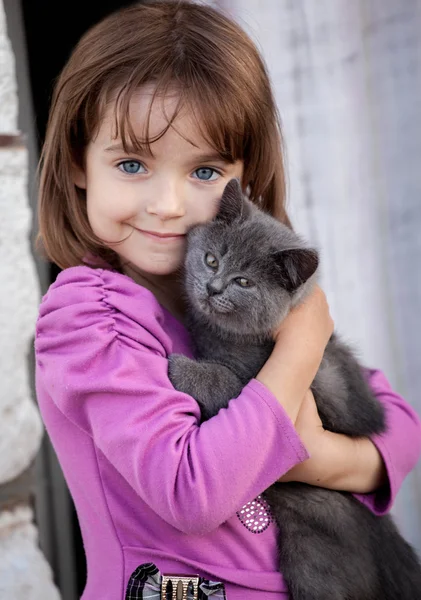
column 211, row 261
column 243, row 282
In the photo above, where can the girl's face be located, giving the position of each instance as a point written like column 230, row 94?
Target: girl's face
column 151, row 201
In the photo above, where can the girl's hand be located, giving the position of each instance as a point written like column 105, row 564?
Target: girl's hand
column 308, row 326
column 300, row 342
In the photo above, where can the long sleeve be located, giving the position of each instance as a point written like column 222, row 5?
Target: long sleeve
column 399, row 446
column 102, row 357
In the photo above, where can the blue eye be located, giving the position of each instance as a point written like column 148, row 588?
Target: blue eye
column 131, row 167
column 206, row 174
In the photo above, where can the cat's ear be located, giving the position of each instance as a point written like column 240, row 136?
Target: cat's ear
column 295, row 266
column 233, row 204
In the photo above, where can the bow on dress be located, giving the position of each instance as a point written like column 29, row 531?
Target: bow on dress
column 145, row 583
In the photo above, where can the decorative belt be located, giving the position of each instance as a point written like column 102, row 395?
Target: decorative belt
column 148, row 583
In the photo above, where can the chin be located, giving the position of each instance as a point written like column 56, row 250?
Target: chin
column 163, row 271
column 158, row 267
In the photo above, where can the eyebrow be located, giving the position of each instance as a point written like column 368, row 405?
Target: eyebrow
column 210, row 157
column 203, row 158
column 120, row 148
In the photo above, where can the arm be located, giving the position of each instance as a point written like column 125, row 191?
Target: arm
column 399, row 446
column 300, row 342
column 107, row 374
column 339, row 462
column 372, row 469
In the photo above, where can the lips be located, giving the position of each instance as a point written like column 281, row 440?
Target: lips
column 162, row 235
column 157, row 235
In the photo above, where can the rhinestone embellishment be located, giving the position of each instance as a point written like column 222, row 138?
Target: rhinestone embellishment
column 255, row 515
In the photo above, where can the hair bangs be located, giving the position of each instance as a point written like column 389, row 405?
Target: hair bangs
column 220, row 125
column 123, row 127
column 210, row 101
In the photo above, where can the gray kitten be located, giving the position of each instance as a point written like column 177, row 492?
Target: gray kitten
column 244, row 271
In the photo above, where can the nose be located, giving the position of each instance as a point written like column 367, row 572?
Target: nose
column 167, row 203
column 214, row 287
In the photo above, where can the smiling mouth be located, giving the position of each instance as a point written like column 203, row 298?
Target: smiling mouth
column 162, row 236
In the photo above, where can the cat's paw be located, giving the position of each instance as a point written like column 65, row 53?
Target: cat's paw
column 178, row 370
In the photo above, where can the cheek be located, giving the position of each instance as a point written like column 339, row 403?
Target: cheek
column 195, row 266
column 105, row 205
column 205, row 208
column 241, row 299
column 107, row 218
column 248, row 302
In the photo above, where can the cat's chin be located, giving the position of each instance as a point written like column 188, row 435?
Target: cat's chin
column 213, row 306
column 227, row 321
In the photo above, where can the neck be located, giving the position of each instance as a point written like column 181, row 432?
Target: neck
column 167, row 289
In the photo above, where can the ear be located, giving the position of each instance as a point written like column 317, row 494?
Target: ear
column 79, row 177
column 295, row 266
column 232, row 203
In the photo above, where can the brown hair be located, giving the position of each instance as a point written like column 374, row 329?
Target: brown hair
column 220, row 76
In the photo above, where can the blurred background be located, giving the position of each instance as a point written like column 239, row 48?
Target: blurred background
column 347, row 77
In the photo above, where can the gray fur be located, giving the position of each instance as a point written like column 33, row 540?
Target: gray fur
column 331, row 546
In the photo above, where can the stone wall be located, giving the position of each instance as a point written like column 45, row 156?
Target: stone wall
column 24, row 572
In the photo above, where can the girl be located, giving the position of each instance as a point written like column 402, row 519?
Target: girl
column 159, row 106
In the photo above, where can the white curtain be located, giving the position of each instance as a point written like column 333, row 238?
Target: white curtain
column 347, row 77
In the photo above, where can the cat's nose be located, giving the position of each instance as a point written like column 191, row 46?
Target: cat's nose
column 214, row 287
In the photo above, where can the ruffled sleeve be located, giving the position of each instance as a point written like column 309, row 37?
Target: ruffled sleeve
column 101, row 350
column 399, row 446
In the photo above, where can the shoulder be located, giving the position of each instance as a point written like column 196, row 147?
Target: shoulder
column 85, row 303
column 86, row 284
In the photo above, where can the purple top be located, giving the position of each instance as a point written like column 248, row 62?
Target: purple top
column 149, row 483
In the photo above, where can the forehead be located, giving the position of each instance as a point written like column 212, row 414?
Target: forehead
column 150, row 118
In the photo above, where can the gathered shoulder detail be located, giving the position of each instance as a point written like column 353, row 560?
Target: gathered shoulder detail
column 103, row 303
